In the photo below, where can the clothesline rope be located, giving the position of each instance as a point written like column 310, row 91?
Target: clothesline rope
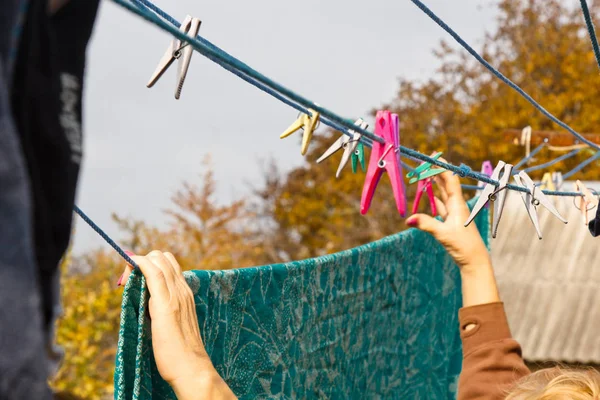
column 591, row 30
column 331, row 119
column 499, row 75
column 220, row 57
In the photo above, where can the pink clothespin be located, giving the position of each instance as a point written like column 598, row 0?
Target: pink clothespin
column 425, row 186
column 384, row 159
column 487, row 169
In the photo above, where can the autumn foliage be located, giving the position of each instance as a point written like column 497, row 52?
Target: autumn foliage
column 462, row 110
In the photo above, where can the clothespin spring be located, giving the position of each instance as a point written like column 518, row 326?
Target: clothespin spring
column 492, row 196
column 381, row 162
column 593, row 205
column 300, row 113
column 177, row 52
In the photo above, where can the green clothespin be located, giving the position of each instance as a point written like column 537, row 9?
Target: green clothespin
column 358, row 156
column 425, row 171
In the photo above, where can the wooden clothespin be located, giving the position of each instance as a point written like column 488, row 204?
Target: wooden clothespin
column 534, row 198
column 181, row 51
column 586, row 202
column 496, row 194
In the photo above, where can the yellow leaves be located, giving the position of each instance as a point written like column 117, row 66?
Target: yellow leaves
column 89, row 326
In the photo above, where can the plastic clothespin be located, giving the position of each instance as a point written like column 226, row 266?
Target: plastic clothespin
column 496, row 194
column 526, row 140
column 425, row 185
column 178, row 50
column 547, row 182
column 557, row 179
column 349, row 144
column 425, row 171
column 309, row 123
column 534, row 198
column 384, row 159
column 358, row 157
column 486, row 169
column 585, row 200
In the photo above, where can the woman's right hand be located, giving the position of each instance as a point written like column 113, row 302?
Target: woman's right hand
column 464, row 244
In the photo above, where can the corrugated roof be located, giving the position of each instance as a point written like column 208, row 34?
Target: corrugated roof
column 550, row 287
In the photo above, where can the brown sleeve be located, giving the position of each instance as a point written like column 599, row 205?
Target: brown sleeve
column 492, row 359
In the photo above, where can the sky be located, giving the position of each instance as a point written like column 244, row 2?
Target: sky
column 140, row 144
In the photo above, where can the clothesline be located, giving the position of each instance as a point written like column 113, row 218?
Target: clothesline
column 158, row 17
column 240, row 69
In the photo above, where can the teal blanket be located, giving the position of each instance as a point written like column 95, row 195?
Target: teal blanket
column 377, row 321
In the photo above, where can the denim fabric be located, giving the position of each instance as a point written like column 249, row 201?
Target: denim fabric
column 23, row 366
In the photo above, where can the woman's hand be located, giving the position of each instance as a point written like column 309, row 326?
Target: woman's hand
column 464, row 244
column 179, row 352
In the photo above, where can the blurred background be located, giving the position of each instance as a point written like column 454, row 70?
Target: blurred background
column 207, row 177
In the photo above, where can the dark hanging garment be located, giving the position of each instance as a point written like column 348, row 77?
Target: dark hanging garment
column 594, row 225
column 42, row 65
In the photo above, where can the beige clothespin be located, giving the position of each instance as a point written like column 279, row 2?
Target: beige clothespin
column 309, row 123
column 178, row 50
column 526, row 140
column 547, row 182
column 586, row 202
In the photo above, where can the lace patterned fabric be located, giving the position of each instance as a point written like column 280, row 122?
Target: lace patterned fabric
column 376, row 321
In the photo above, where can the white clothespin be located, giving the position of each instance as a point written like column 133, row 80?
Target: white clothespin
column 496, row 194
column 347, row 143
column 557, row 179
column 178, row 50
column 534, row 198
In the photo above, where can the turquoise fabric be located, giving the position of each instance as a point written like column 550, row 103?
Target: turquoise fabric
column 377, row 321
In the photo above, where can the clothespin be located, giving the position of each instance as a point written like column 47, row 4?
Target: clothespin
column 526, row 140
column 384, row 159
column 496, row 194
column 534, row 198
column 425, row 185
column 358, row 157
column 547, row 182
column 349, row 144
column 178, row 50
column 585, row 201
column 557, row 179
column 486, row 169
column 306, row 122
column 425, row 171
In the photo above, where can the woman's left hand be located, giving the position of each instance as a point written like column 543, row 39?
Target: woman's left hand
column 179, row 351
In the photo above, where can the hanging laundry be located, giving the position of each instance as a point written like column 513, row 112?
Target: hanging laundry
column 377, row 321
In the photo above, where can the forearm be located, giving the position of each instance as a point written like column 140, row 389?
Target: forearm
column 208, row 385
column 479, row 284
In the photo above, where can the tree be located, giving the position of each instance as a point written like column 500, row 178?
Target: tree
column 202, row 233
column 463, row 110
column 89, row 327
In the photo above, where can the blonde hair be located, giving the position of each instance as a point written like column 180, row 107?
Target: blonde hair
column 558, row 383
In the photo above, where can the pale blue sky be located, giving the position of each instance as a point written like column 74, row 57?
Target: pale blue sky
column 140, row 143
